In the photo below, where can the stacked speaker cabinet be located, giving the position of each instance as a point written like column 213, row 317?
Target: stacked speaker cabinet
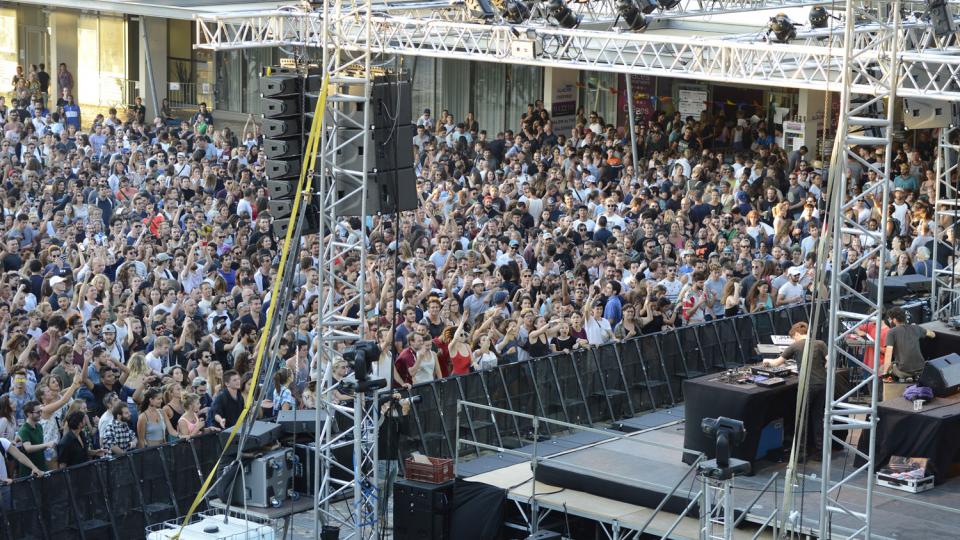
column 285, row 130
column 388, row 139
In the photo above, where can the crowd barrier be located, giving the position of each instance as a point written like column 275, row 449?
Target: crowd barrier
column 117, row 497
column 109, row 498
column 590, row 386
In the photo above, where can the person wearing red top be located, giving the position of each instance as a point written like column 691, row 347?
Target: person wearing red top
column 869, row 329
column 459, row 350
column 443, row 352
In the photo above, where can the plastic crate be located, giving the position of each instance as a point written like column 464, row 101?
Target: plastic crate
column 439, row 470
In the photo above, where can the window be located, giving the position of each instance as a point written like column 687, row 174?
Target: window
column 8, row 45
column 101, row 69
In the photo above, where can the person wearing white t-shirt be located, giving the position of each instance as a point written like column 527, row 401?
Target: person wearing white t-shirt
column 597, row 328
column 791, row 292
column 9, row 449
column 671, row 283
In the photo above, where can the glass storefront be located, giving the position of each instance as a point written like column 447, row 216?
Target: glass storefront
column 237, row 84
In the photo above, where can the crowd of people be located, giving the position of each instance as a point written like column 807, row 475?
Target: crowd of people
column 138, row 256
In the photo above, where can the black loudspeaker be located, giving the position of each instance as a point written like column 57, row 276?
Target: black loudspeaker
column 282, row 107
column 387, row 192
column 282, row 149
column 392, row 103
column 277, row 169
column 281, row 83
column 422, row 511
column 392, row 149
column 299, row 421
column 942, row 375
column 896, row 287
column 278, row 128
column 311, row 215
column 261, row 434
column 305, row 467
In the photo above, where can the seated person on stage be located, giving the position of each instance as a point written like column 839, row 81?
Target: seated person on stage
column 903, row 358
column 818, row 379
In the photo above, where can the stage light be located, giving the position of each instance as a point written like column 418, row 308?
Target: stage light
column 669, row 4
column 941, row 18
column 647, row 6
column 631, row 15
column 562, row 14
column 516, row 11
column 819, row 17
column 782, row 28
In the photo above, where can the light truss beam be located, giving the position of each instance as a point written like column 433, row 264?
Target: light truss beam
column 945, row 286
column 349, row 83
column 924, row 71
column 867, row 120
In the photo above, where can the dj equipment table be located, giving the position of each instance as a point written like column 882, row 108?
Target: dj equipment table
column 930, row 433
column 755, row 406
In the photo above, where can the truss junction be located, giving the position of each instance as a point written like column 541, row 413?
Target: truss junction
column 871, row 53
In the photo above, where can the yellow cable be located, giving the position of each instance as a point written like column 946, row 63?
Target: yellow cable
column 306, row 167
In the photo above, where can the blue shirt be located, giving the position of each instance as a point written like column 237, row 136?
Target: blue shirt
column 613, row 311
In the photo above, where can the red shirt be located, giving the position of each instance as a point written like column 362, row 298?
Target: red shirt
column 443, row 356
column 405, row 360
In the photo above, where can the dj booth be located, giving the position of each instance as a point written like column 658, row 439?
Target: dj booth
column 767, row 414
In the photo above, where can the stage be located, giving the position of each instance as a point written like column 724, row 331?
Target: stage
column 650, row 462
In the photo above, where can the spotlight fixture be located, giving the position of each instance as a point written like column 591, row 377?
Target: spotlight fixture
column 819, row 17
column 562, row 14
column 941, row 18
column 782, row 28
column 632, row 15
column 516, row 11
column 647, row 6
column 669, row 4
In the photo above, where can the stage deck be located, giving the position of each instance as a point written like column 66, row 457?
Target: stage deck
column 896, row 514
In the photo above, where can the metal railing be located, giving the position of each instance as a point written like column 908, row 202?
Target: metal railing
column 189, row 95
column 536, row 459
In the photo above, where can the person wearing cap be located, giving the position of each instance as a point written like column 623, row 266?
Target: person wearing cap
column 791, row 292
column 113, row 348
column 475, row 301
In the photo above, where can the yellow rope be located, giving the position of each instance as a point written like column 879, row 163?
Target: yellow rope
column 303, row 186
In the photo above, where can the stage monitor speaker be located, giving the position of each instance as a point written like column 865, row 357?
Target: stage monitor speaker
column 299, row 421
column 422, row 511
column 261, row 434
column 942, row 375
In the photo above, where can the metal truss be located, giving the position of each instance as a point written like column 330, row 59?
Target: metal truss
column 339, row 183
column 716, row 509
column 866, row 120
column 925, row 70
column 945, row 286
